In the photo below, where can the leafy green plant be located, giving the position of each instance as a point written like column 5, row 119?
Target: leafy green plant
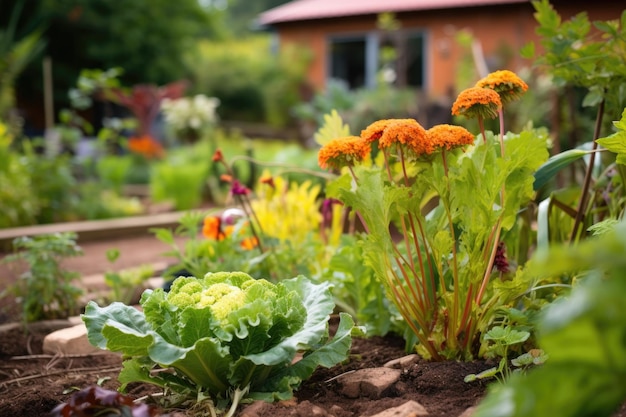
column 45, row 290
column 126, row 283
column 357, row 291
column 211, row 243
column 19, row 204
column 584, row 334
column 450, row 207
column 223, row 338
column 179, row 182
column 500, row 339
column 592, row 60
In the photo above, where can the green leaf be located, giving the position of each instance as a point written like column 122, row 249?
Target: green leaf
column 555, row 164
column 319, row 304
column 118, row 328
column 528, row 50
column 615, row 143
column 332, row 128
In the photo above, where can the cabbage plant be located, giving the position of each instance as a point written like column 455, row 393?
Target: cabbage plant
column 223, row 338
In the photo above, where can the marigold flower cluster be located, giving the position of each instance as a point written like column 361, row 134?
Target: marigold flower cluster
column 406, row 133
column 145, row 145
column 506, row 83
column 480, row 100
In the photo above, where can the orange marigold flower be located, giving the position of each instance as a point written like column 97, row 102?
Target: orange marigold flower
column 449, row 136
column 226, row 178
column 374, row 131
column 249, row 243
column 343, row 151
column 406, row 132
column 212, row 228
column 477, row 101
column 145, row 145
column 506, row 83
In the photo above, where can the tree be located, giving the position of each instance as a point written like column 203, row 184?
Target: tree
column 147, row 38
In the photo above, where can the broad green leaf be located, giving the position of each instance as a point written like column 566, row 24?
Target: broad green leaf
column 555, row 164
column 125, row 325
column 616, row 143
column 319, row 304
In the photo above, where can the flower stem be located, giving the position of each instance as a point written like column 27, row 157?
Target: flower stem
column 584, row 193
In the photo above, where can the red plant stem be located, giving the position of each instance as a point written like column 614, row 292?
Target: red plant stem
column 401, row 261
column 455, row 267
column 418, row 314
column 584, row 194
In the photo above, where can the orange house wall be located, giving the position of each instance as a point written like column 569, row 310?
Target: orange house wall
column 510, row 25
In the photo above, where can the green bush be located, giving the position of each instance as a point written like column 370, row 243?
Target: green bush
column 251, row 83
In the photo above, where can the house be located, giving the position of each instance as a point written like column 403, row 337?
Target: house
column 347, row 45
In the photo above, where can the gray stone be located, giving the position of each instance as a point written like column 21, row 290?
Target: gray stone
column 69, row 341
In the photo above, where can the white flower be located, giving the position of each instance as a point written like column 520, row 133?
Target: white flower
column 196, row 113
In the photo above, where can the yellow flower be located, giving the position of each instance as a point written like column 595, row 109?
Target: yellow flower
column 477, row 102
column 343, row 151
column 449, row 136
column 506, row 83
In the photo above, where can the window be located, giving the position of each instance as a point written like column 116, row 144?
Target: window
column 347, row 61
column 355, row 59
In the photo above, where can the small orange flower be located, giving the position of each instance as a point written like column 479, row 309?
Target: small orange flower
column 449, row 136
column 226, row 178
column 212, row 228
column 249, row 243
column 406, row 132
column 506, row 83
column 268, row 180
column 145, row 145
column 343, row 151
column 218, row 156
column 477, row 102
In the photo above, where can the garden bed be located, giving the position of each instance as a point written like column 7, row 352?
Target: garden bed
column 32, row 383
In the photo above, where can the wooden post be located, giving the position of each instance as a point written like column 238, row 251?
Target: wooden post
column 47, row 93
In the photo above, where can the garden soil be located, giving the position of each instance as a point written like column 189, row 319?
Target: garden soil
column 32, row 384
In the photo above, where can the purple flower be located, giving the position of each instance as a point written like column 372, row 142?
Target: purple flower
column 238, row 188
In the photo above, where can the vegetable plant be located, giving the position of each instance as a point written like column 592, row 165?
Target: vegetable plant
column 584, row 334
column 220, row 339
column 451, row 196
column 45, row 290
column 125, row 284
column 589, row 56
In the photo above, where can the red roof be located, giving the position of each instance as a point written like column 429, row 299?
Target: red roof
column 298, row 10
